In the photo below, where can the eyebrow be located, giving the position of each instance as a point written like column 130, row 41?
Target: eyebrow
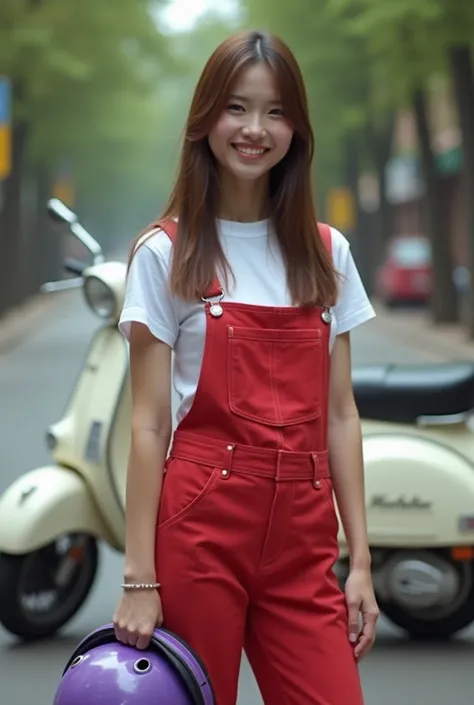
column 243, row 99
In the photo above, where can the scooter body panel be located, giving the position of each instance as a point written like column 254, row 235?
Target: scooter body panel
column 42, row 505
column 419, row 486
column 93, row 437
column 419, row 481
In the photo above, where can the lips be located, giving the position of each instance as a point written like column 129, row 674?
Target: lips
column 250, row 150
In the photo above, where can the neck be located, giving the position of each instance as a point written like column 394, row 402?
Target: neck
column 243, row 201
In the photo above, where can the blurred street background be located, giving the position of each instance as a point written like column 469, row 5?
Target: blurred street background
column 93, row 98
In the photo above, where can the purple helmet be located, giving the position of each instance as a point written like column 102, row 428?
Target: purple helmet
column 103, row 671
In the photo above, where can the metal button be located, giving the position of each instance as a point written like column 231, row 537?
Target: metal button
column 216, row 310
column 326, row 316
column 224, row 473
column 230, row 447
column 317, row 484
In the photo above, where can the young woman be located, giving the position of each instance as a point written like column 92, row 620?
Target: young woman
column 232, row 536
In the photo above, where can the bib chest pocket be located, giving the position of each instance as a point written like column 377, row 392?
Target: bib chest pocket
column 274, row 375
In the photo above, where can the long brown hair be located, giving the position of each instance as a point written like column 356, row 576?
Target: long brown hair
column 194, row 201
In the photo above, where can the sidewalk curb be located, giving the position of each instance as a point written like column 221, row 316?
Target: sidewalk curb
column 415, row 328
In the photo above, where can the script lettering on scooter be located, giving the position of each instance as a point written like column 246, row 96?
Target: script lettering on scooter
column 381, row 501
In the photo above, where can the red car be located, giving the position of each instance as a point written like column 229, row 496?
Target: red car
column 405, row 277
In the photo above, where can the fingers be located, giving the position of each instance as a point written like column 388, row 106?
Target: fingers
column 124, row 634
column 144, row 635
column 132, row 636
column 367, row 637
column 354, row 621
column 120, row 631
column 138, row 637
column 144, row 638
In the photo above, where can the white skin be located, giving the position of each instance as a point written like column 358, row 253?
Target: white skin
column 253, row 119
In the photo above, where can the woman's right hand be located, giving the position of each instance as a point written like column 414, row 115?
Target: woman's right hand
column 138, row 613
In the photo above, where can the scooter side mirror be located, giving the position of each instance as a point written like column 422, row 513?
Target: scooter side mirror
column 60, row 213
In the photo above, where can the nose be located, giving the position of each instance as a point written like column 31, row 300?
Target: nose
column 254, row 128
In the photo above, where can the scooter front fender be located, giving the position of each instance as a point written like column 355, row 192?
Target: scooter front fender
column 42, row 505
column 419, row 492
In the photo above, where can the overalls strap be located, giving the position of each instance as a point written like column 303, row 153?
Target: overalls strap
column 170, row 227
column 325, row 232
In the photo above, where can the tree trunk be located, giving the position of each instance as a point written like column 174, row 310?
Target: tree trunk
column 379, row 141
column 351, row 163
column 10, row 225
column 50, row 243
column 463, row 79
column 360, row 236
column 443, row 300
column 13, row 288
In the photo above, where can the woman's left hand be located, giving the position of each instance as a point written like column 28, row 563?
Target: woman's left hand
column 361, row 602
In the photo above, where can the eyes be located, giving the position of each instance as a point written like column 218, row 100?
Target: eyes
column 237, row 108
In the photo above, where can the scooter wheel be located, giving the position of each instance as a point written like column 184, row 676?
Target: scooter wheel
column 41, row 591
column 431, row 623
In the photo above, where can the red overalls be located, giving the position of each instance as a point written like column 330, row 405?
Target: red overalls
column 247, row 530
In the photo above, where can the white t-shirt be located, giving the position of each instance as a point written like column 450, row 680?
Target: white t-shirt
column 260, row 278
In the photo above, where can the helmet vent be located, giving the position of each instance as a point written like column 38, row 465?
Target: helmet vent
column 142, row 666
column 77, row 661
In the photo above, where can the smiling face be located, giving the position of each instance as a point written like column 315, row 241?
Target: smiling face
column 252, row 135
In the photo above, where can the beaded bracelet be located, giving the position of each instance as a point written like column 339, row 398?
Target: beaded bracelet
column 140, row 586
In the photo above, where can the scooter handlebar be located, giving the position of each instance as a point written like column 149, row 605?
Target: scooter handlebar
column 74, row 266
column 61, row 285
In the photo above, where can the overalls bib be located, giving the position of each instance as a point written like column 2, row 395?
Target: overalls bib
column 247, row 528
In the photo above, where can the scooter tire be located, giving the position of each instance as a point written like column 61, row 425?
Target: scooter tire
column 440, row 629
column 13, row 616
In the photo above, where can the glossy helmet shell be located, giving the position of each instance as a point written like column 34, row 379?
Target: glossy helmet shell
column 103, row 671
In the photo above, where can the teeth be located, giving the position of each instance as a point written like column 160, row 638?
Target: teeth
column 248, row 150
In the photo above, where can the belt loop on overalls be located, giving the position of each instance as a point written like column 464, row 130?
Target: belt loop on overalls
column 226, row 470
column 277, row 469
column 316, row 480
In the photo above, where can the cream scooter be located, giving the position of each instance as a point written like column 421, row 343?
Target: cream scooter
column 418, row 443
column 419, row 455
column 52, row 517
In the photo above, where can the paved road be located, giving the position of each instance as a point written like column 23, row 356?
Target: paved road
column 35, row 380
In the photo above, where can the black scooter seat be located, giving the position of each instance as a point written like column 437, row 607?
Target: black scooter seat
column 404, row 393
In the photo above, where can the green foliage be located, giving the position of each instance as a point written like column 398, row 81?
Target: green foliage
column 362, row 59
column 105, row 91
column 79, row 50
column 86, row 77
column 139, row 171
column 141, row 178
column 336, row 69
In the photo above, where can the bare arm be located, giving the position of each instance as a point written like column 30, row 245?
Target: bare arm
column 150, row 372
column 345, row 453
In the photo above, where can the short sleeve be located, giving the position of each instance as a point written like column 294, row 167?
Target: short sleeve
column 148, row 299
column 353, row 307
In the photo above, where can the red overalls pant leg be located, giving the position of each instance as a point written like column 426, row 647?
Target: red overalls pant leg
column 247, row 529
